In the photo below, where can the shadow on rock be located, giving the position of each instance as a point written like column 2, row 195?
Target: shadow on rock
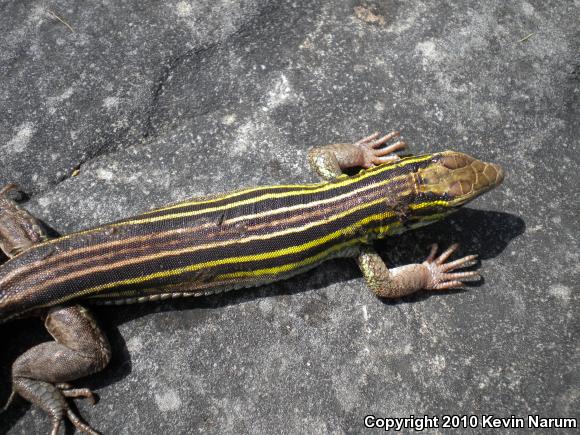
column 484, row 232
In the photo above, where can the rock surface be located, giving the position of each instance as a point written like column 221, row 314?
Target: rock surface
column 149, row 102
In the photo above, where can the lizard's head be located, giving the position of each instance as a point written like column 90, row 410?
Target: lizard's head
column 457, row 178
column 447, row 181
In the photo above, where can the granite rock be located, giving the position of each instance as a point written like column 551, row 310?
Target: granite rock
column 112, row 108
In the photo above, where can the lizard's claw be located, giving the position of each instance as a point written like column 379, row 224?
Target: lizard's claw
column 441, row 275
column 373, row 155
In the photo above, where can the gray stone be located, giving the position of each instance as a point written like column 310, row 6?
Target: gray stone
column 149, row 102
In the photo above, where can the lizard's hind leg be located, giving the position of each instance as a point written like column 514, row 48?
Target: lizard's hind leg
column 41, row 373
column 80, row 348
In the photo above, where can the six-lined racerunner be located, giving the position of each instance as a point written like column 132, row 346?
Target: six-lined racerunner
column 241, row 239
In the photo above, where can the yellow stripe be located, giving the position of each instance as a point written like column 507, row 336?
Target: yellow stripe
column 314, row 204
column 307, row 261
column 187, row 203
column 428, row 204
column 323, row 187
column 376, row 169
column 230, row 260
column 216, row 245
column 225, row 207
column 276, row 270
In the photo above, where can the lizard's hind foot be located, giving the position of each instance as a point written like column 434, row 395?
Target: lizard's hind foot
column 42, row 373
column 52, row 399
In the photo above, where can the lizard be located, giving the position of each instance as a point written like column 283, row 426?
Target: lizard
column 222, row 242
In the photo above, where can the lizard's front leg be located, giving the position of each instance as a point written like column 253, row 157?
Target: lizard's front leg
column 433, row 274
column 329, row 161
column 41, row 373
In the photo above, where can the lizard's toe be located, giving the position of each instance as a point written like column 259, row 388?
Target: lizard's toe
column 76, row 421
column 76, row 393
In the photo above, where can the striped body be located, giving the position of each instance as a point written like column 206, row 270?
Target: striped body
column 229, row 241
column 236, row 240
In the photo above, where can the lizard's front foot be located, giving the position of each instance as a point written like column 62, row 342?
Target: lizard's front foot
column 439, row 276
column 372, row 155
column 329, row 161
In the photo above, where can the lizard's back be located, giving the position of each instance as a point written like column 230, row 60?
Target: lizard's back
column 240, row 239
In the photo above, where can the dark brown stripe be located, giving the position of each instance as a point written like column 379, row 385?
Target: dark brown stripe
column 223, row 234
column 31, row 277
column 193, row 233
